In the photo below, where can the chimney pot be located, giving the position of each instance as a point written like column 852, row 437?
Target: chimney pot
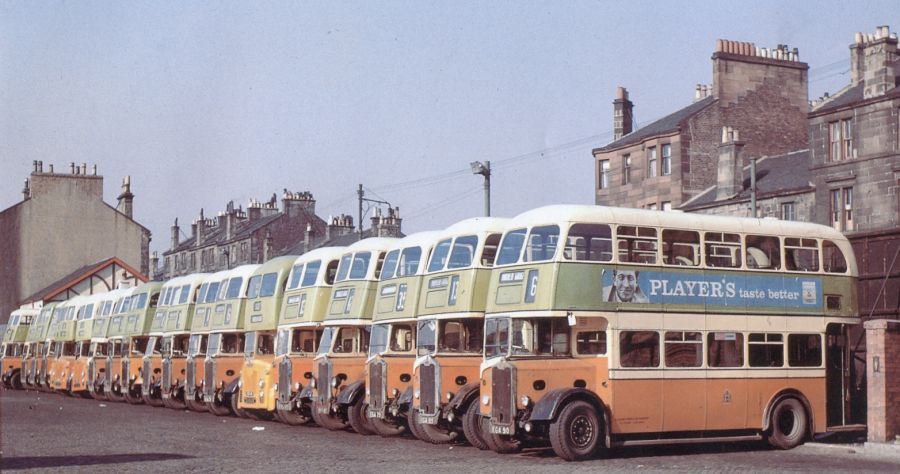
column 51, row 168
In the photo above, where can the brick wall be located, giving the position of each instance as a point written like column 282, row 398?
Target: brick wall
column 883, row 379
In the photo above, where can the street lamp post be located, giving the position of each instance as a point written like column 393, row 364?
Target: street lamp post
column 484, row 169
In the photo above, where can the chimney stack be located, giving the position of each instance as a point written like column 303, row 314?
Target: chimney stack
column 176, row 231
column 126, row 198
column 730, row 180
column 622, row 114
column 154, row 263
column 872, row 61
column 26, row 191
column 201, row 228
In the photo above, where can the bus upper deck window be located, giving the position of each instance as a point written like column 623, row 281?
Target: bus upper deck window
column 723, row 250
column 542, row 243
column 763, row 252
column 439, row 255
column 511, row 247
column 801, row 255
column 681, row 247
column 832, row 258
column 491, row 243
column 589, row 242
column 463, row 251
column 637, row 244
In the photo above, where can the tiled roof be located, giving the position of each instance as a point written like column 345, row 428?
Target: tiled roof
column 669, row 123
column 774, row 175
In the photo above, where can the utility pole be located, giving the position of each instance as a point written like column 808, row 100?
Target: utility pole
column 361, row 195
column 484, row 169
column 753, row 187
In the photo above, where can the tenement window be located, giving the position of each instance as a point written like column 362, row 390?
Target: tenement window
column 666, row 160
column 842, row 209
column 840, row 140
column 626, row 169
column 604, row 174
column 787, row 211
column 651, row 162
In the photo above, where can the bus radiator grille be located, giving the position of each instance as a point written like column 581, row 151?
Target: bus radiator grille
column 376, row 386
column 428, row 389
column 284, row 380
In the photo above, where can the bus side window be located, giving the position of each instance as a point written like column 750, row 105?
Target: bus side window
column 681, row 247
column 684, row 349
column 590, row 342
column 589, row 242
column 763, row 252
column 722, row 250
column 832, row 258
column 801, row 255
column 725, row 349
column 804, row 350
column 639, row 349
column 765, row 350
column 491, row 243
column 637, row 244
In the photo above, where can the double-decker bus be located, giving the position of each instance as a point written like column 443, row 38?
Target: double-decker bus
column 225, row 345
column 450, row 331
column 35, row 346
column 62, row 347
column 338, row 379
column 615, row 327
column 128, row 337
column 168, row 343
column 12, row 352
column 200, row 327
column 392, row 347
column 85, row 316
column 97, row 364
column 299, row 330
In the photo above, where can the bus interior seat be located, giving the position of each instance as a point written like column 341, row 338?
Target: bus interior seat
column 682, row 260
column 756, row 258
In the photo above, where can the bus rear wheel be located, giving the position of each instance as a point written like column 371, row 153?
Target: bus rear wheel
column 472, row 427
column 789, row 424
column 576, row 433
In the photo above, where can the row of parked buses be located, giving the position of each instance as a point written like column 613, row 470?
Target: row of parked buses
column 581, row 327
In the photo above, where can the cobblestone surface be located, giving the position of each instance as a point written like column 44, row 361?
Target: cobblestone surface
column 47, row 432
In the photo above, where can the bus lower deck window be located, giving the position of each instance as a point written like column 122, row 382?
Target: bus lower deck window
column 725, row 349
column 765, row 350
column 684, row 349
column 639, row 349
column 804, row 350
column 591, row 342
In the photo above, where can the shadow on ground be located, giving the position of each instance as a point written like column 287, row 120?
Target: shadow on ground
column 33, row 462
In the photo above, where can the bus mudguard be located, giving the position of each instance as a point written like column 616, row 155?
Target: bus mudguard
column 351, row 392
column 462, row 398
column 549, row 405
column 406, row 397
column 306, row 393
column 232, row 387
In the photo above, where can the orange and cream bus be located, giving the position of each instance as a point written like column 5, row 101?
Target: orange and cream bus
column 127, row 346
column 614, row 327
column 303, row 309
column 265, row 294
column 99, row 350
column 168, row 343
column 200, row 327
column 392, row 346
column 12, row 351
column 36, row 347
column 450, row 331
column 224, row 355
column 85, row 316
column 338, row 378
column 62, row 347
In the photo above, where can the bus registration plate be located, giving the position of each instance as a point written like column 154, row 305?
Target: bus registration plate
column 503, row 430
column 427, row 419
column 376, row 414
column 248, row 397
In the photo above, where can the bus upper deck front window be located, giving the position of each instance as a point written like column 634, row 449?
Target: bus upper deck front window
column 511, row 247
column 234, row 288
column 390, row 264
column 439, row 255
column 311, row 273
column 379, row 340
column 496, row 337
column 325, row 342
column 360, row 265
column 463, row 252
column 426, row 337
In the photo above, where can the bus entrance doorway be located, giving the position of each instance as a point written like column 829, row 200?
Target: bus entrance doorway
column 843, row 394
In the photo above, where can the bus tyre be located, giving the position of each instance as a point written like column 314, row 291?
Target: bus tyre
column 195, row 405
column 356, row 415
column 233, row 400
column 789, row 424
column 471, row 423
column 576, row 433
column 15, row 381
column 434, row 433
column 329, row 421
column 133, row 396
column 219, row 408
column 115, row 397
column 386, row 428
column 292, row 418
column 416, row 429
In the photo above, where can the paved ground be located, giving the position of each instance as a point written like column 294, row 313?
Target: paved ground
column 46, row 432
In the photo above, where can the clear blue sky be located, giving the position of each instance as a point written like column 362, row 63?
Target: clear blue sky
column 205, row 102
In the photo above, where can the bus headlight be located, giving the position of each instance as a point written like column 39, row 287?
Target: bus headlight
column 261, row 384
column 240, row 383
column 417, row 394
column 449, row 396
column 335, row 382
column 526, row 401
column 312, row 383
column 368, row 391
column 395, row 392
column 486, row 400
column 297, row 387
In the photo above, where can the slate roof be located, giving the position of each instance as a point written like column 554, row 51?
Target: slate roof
column 339, row 241
column 669, row 123
column 779, row 174
column 842, row 98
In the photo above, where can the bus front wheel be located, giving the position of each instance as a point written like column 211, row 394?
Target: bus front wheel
column 576, row 433
column 356, row 415
column 789, row 424
column 472, row 427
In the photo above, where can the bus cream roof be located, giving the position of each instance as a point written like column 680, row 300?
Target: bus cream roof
column 571, row 213
column 25, row 312
column 476, row 225
column 325, row 254
column 370, row 244
column 425, row 239
column 194, row 279
column 243, row 271
column 275, row 264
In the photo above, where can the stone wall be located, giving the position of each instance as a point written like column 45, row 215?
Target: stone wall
column 883, row 379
